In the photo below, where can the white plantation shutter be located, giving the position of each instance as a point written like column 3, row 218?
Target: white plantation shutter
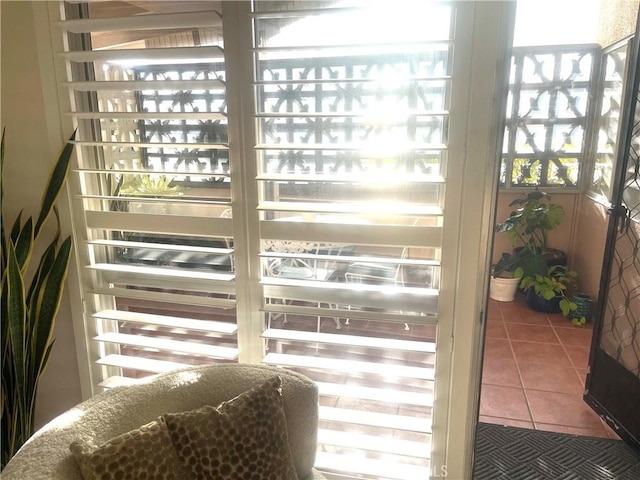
column 294, row 190
column 152, row 185
column 351, row 162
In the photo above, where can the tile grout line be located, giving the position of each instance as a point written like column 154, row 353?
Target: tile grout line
column 564, row 348
column 515, row 360
column 571, row 365
column 603, row 423
column 566, row 352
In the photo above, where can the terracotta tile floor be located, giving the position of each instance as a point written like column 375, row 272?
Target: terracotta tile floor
column 534, row 369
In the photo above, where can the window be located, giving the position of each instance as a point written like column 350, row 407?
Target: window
column 153, row 186
column 609, row 95
column 251, row 189
column 547, row 132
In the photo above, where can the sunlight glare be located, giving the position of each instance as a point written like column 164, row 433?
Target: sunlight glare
column 187, row 377
column 556, row 22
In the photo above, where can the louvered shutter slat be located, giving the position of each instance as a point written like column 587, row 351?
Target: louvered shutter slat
column 143, row 22
column 209, row 54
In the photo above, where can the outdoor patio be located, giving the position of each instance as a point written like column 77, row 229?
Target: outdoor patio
column 535, row 365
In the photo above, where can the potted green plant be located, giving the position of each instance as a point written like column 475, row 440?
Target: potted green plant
column 528, row 227
column 549, row 293
column 149, row 186
column 30, row 302
column 505, row 278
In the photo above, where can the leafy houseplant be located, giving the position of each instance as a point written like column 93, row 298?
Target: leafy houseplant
column 505, row 278
column 508, row 266
column 528, row 227
column 149, row 186
column 29, row 308
column 548, row 293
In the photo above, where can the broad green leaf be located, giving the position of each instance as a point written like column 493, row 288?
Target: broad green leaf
column 555, row 216
column 49, row 301
column 579, row 322
column 56, row 180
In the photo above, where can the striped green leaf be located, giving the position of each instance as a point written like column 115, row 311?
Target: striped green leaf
column 3, row 239
column 15, row 229
column 2, row 166
column 44, row 267
column 48, row 304
column 28, row 319
column 24, row 245
column 16, row 315
column 4, row 322
column 45, row 361
column 56, row 180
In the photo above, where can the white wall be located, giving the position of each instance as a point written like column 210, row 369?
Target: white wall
column 29, row 155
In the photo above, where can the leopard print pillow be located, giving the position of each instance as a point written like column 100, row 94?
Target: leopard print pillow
column 242, row 439
column 145, row 453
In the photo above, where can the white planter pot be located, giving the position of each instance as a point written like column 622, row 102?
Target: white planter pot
column 503, row 289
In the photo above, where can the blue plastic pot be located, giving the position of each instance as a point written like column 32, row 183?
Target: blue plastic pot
column 541, row 304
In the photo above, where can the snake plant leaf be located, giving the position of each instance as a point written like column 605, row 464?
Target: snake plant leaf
column 45, row 361
column 16, row 316
column 4, row 322
column 24, row 245
column 46, row 263
column 15, row 229
column 2, row 165
column 49, row 302
column 3, row 402
column 11, row 416
column 28, row 319
column 44, row 267
column 54, row 186
column 3, row 239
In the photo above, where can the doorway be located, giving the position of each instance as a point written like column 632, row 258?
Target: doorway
column 535, row 364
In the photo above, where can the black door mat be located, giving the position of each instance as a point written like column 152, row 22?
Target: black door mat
column 510, row 453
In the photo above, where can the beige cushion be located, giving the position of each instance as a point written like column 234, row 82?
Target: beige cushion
column 142, row 454
column 242, row 439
